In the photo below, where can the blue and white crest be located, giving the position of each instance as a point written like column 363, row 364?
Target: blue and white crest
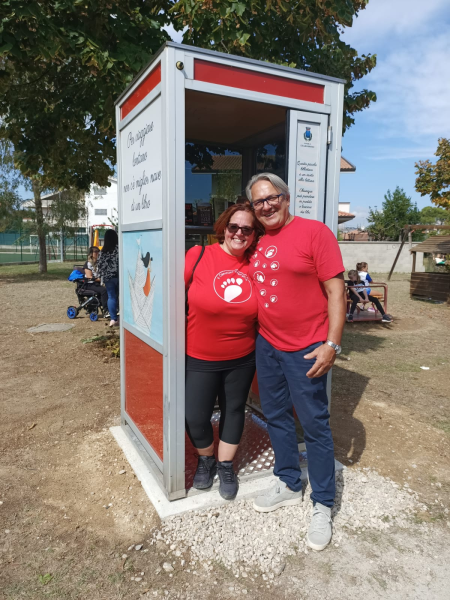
column 308, row 135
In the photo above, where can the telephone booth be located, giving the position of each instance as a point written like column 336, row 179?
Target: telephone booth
column 192, row 128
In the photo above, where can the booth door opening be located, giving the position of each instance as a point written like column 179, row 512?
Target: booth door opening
column 228, row 140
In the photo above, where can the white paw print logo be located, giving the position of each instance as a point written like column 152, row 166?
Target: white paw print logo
column 232, row 286
column 273, row 282
column 273, row 299
column 256, row 263
column 260, row 249
column 270, row 252
column 266, row 305
column 259, row 277
column 265, row 266
column 275, row 265
column 263, row 292
column 255, row 255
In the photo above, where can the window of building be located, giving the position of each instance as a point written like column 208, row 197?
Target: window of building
column 99, row 191
column 101, row 211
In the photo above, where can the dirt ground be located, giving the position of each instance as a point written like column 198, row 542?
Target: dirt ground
column 68, row 517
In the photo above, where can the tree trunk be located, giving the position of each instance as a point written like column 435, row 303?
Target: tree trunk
column 40, row 227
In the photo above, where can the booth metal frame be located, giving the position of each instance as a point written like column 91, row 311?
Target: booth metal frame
column 177, row 75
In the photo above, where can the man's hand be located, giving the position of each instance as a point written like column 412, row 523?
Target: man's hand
column 325, row 357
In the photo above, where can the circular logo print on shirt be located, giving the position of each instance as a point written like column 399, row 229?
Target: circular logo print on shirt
column 270, row 252
column 263, row 292
column 273, row 282
column 265, row 266
column 273, row 299
column 256, row 263
column 233, row 286
column 275, row 265
column 259, row 277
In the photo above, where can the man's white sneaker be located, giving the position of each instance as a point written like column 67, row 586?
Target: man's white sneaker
column 279, row 495
column 319, row 532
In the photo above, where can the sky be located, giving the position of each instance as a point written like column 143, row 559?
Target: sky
column 412, row 81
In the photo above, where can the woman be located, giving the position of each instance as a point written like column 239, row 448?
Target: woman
column 221, row 331
column 92, row 279
column 108, row 268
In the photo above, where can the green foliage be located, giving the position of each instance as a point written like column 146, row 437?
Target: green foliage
column 434, row 215
column 304, row 34
column 67, row 208
column 64, row 63
column 11, row 215
column 434, row 179
column 397, row 211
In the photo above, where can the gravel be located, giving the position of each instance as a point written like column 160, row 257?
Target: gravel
column 244, row 540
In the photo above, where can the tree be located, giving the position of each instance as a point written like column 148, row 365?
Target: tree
column 397, row 211
column 434, row 215
column 62, row 64
column 434, row 179
column 302, row 34
column 10, row 180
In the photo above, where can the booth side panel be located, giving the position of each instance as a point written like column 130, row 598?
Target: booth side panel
column 144, row 389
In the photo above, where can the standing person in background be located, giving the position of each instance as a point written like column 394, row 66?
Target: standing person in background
column 298, row 273
column 363, row 274
column 108, row 269
column 93, row 281
column 222, row 306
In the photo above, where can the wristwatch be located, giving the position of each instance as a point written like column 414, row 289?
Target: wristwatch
column 335, row 347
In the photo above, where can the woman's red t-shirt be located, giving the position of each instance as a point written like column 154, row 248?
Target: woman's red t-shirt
column 223, row 309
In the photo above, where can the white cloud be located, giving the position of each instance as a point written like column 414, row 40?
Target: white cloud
column 413, row 88
column 387, row 19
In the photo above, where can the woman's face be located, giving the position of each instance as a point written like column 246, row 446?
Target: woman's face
column 237, row 243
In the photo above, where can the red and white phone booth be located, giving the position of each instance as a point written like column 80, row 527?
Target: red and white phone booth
column 192, row 128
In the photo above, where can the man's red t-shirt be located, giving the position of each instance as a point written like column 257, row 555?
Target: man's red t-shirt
column 223, row 309
column 287, row 268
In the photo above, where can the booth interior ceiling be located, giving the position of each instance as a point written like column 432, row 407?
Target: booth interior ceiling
column 231, row 121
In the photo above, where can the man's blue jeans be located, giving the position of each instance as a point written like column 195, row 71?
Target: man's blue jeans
column 283, row 385
column 112, row 287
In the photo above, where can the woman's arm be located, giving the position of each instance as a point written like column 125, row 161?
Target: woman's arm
column 88, row 274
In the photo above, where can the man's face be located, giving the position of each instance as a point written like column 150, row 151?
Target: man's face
column 274, row 215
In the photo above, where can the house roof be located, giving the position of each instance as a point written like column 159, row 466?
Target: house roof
column 343, row 217
column 435, row 243
column 347, row 166
column 233, row 162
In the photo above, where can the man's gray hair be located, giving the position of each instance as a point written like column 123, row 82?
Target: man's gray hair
column 276, row 181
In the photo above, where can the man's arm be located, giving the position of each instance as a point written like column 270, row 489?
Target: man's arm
column 325, row 355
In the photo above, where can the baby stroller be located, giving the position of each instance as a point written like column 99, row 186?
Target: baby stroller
column 87, row 299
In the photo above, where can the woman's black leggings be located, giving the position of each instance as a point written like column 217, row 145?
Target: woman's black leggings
column 231, row 387
column 355, row 298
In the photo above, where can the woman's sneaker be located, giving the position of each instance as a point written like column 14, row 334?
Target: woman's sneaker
column 205, row 473
column 228, row 487
column 387, row 318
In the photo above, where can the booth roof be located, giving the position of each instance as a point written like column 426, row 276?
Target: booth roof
column 435, row 243
column 240, row 59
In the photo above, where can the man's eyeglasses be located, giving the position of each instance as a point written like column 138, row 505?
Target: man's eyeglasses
column 234, row 228
column 271, row 201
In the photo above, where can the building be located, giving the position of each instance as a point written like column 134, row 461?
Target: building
column 101, row 207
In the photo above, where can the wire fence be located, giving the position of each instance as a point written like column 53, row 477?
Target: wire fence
column 21, row 247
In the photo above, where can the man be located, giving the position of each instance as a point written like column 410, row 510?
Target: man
column 298, row 273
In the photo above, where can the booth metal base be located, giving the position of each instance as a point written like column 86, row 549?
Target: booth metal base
column 252, row 482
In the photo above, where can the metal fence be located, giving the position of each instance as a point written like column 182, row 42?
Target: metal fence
column 21, row 246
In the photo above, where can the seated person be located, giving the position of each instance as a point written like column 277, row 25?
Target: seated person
column 356, row 290
column 92, row 279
